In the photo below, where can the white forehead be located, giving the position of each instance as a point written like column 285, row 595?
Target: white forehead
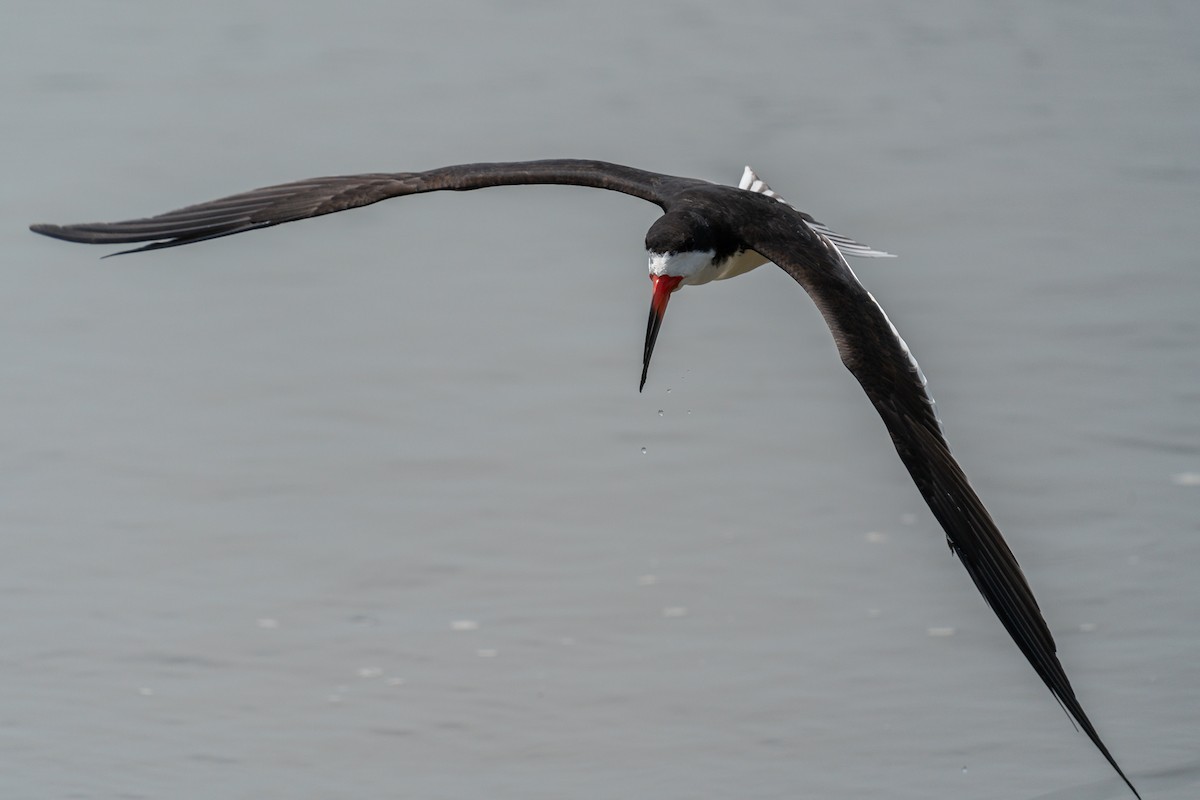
column 682, row 265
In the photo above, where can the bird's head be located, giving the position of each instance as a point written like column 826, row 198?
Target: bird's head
column 682, row 250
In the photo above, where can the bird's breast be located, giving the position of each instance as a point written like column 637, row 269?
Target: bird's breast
column 739, row 263
column 699, row 267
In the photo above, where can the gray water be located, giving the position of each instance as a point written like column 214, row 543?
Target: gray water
column 359, row 508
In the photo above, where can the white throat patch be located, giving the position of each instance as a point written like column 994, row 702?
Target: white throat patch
column 690, row 266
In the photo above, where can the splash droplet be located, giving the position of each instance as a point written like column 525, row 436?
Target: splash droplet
column 643, row 451
column 660, row 412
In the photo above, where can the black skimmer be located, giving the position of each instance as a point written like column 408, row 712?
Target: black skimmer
column 708, row 232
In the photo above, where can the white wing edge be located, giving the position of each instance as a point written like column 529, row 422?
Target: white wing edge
column 847, row 246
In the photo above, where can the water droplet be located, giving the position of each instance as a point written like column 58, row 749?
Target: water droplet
column 643, row 451
column 668, row 391
column 689, row 412
column 964, row 770
column 660, row 412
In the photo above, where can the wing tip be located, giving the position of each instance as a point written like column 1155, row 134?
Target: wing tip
column 46, row 229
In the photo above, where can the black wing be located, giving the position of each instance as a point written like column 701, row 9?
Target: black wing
column 873, row 351
column 288, row 202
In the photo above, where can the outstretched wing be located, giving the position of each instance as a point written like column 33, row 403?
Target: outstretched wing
column 874, row 352
column 288, row 202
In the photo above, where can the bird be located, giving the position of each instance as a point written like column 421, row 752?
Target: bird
column 707, row 232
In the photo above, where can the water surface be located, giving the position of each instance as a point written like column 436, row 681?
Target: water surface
column 359, row 507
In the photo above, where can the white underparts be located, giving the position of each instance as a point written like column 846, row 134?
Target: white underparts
column 739, row 264
column 698, row 267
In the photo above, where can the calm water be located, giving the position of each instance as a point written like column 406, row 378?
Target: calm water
column 358, row 508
